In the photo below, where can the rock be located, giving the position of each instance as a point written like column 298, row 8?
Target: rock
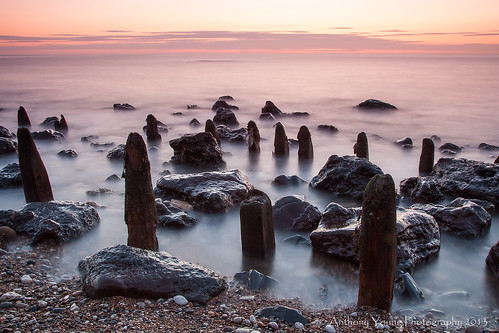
column 5, row 133
column 255, row 280
column 192, row 106
column 89, row 138
column 407, row 287
column 223, row 104
column 47, row 135
column 451, row 147
column 123, row 107
column 456, row 178
column 283, row 313
column 281, row 144
column 200, row 150
column 226, row 98
column 100, row 191
column 113, row 178
column 293, row 213
column 102, row 144
column 305, row 147
column 492, row 260
column 11, row 296
column 52, row 122
column 152, row 132
column 26, row 279
column 180, row 300
column 194, row 122
column 427, row 158
column 173, row 217
column 297, row 114
column 10, row 176
column 270, row 107
column 462, row 218
column 211, row 128
column 22, row 118
column 418, row 235
column 63, row 125
column 361, row 148
column 7, row 146
column 226, row 117
column 58, row 220
column 328, row 128
column 116, row 153
column 404, row 142
column 216, row 191
column 374, row 104
column 486, row 146
column 68, row 153
column 345, row 176
column 257, row 225
column 132, row 272
column 496, row 160
column 7, row 232
column 253, row 137
column 283, row 180
column 236, row 135
column 266, row 116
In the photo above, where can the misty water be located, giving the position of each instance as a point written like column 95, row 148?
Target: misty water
column 452, row 97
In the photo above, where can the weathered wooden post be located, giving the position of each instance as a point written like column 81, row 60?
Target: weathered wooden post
column 211, row 128
column 427, row 157
column 22, row 118
column 257, row 225
column 140, row 208
column 281, row 144
column 152, row 132
column 63, row 125
column 36, row 183
column 361, row 148
column 253, row 137
column 305, row 147
column 378, row 243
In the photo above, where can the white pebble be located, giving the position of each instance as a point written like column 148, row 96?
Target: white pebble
column 10, row 296
column 330, row 329
column 180, row 300
column 243, row 330
column 299, row 326
column 26, row 279
column 42, row 304
column 247, row 298
column 253, row 319
column 379, row 326
column 73, row 308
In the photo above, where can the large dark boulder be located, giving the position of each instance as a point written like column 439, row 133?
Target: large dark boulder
column 418, row 235
column 117, row 153
column 171, row 216
column 294, row 213
column 225, row 116
column 232, row 135
column 455, row 178
column 7, row 146
column 461, row 217
column 216, row 191
column 492, row 259
column 222, row 103
column 10, row 176
column 345, row 176
column 51, row 121
column 5, row 133
column 271, row 108
column 132, row 272
column 199, row 150
column 374, row 104
column 48, row 134
column 55, row 220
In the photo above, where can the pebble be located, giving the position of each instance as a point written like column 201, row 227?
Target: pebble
column 237, row 320
column 26, row 279
column 74, row 308
column 379, row 326
column 273, row 325
column 10, row 296
column 330, row 329
column 180, row 300
column 247, row 298
column 299, row 326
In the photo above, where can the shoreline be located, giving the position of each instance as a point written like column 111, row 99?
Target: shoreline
column 51, row 301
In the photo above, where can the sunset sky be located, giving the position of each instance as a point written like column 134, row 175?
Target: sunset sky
column 313, row 26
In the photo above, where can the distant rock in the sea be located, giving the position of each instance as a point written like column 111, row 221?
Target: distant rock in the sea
column 70, row 153
column 226, row 98
column 116, row 153
column 450, row 148
column 294, row 213
column 223, row 104
column 123, row 107
column 405, row 143
column 7, row 146
column 232, row 135
column 283, row 180
column 374, row 104
column 5, row 133
column 10, row 176
column 271, row 108
column 328, row 128
column 486, row 146
column 192, row 106
column 50, row 122
column 48, row 134
column 199, row 150
column 171, row 216
column 194, row 122
column 226, row 117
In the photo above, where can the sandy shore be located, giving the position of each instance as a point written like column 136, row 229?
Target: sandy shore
column 38, row 297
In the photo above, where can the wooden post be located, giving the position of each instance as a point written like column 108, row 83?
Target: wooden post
column 211, row 128
column 427, row 157
column 22, row 118
column 281, row 144
column 253, row 137
column 140, row 208
column 63, row 125
column 361, row 148
column 305, row 147
column 378, row 243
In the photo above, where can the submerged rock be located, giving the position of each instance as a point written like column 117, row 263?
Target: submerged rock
column 405, row 143
column 171, row 216
column 52, row 121
column 222, row 103
column 70, row 153
column 345, row 176
column 216, row 191
column 328, row 128
column 10, row 176
column 5, row 133
column 461, row 217
column 116, row 153
column 293, row 213
column 57, row 220
column 225, row 116
column 123, row 107
column 450, row 147
column 271, row 108
column 236, row 135
column 199, row 150
column 374, row 104
column 7, row 146
column 131, row 272
column 492, row 259
column 47, row 135
column 283, row 180
column 486, row 146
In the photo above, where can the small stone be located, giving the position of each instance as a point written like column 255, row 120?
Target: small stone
column 330, row 329
column 74, row 308
column 379, row 326
column 180, row 300
column 42, row 304
column 141, row 305
column 237, row 320
column 58, row 310
column 66, row 278
column 299, row 326
column 247, row 298
column 26, row 279
column 252, row 319
column 10, row 296
column 273, row 325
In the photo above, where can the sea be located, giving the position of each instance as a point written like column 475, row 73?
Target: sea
column 452, row 97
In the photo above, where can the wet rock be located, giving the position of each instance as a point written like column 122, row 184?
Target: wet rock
column 492, row 260
column 266, row 116
column 5, row 133
column 236, row 135
column 194, row 122
column 225, row 116
column 255, row 280
column 405, row 143
column 496, row 160
column 116, row 153
column 345, row 176
column 7, row 146
column 450, row 147
column 283, row 180
column 63, row 125
column 100, row 191
column 293, row 213
column 407, row 287
column 211, row 128
column 131, row 272
column 486, row 146
column 10, row 176
column 52, row 122
column 89, row 138
column 22, row 118
column 11, row 296
column 286, row 314
column 305, row 147
column 462, row 218
column 226, row 98
column 48, row 135
column 421, row 189
column 7, row 232
column 328, row 128
column 216, row 191
column 57, row 220
column 171, row 216
column 192, row 106
column 361, row 148
column 427, row 158
column 253, row 137
column 200, row 150
column 374, row 104
column 281, row 144
column 67, row 153
column 113, row 178
column 123, row 107
column 270, row 107
column 221, row 103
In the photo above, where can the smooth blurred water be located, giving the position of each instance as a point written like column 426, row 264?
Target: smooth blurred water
column 452, row 97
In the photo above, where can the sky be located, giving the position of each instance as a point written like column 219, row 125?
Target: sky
column 30, row 27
